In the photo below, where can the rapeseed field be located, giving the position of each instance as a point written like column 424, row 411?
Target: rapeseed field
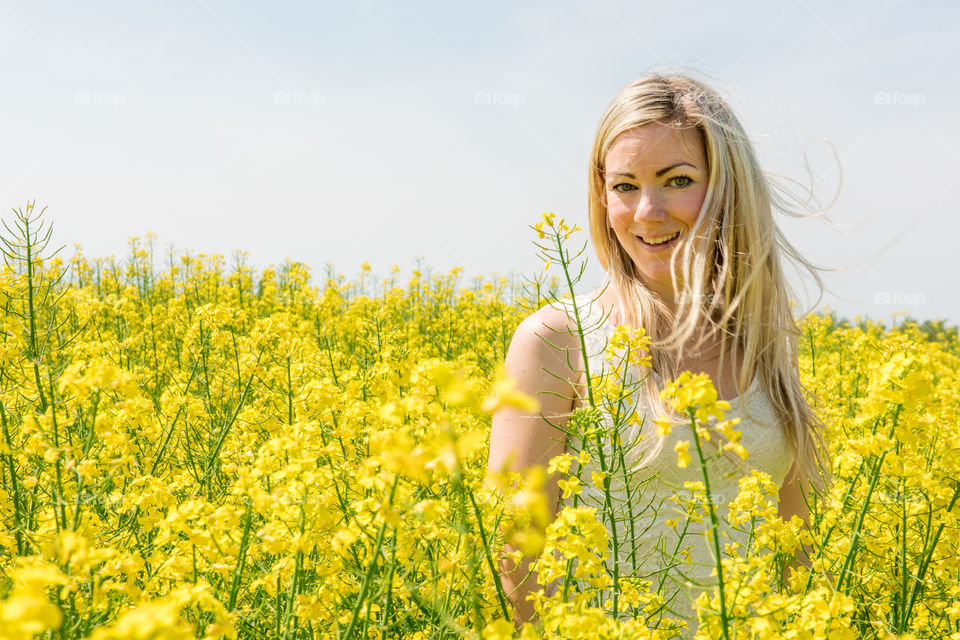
column 195, row 449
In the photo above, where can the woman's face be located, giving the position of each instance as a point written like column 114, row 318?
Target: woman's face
column 654, row 184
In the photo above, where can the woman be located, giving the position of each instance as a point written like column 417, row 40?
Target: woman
column 681, row 217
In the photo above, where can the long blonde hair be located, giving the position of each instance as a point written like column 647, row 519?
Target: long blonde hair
column 732, row 278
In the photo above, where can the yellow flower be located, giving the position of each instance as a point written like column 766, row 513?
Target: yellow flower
column 663, row 426
column 431, row 510
column 499, row 629
column 634, row 341
column 739, row 449
column 694, row 393
column 451, row 381
column 683, row 457
column 505, row 394
column 560, row 463
column 391, row 412
column 726, row 428
column 570, row 486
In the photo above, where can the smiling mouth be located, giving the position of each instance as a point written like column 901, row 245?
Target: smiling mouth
column 659, row 240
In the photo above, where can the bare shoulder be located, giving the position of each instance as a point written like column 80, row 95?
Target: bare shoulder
column 537, row 361
column 545, row 349
column 552, row 323
column 559, row 349
column 545, row 360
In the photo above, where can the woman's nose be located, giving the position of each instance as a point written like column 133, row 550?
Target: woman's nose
column 649, row 206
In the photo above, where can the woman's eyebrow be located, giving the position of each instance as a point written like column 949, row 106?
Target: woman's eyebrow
column 658, row 173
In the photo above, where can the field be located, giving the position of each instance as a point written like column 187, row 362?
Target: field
column 201, row 450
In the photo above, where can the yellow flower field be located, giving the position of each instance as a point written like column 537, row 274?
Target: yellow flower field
column 191, row 448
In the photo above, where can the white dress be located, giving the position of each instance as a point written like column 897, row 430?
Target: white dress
column 646, row 542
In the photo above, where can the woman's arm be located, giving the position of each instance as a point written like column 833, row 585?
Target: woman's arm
column 520, row 440
column 792, row 504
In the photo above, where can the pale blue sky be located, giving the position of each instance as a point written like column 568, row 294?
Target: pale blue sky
column 351, row 132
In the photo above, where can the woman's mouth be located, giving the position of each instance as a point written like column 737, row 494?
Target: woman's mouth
column 659, row 242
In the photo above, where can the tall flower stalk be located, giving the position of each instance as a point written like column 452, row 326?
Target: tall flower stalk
column 586, row 431
column 695, row 396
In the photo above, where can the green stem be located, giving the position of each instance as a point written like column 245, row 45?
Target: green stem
column 238, row 572
column 925, row 562
column 715, row 528
column 607, row 505
column 486, row 549
column 848, row 562
column 17, row 517
column 365, row 585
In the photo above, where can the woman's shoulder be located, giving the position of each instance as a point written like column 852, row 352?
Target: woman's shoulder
column 592, row 314
column 551, row 321
column 545, row 348
column 556, row 323
column 600, row 302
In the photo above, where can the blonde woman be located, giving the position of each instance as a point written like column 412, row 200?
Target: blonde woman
column 681, row 218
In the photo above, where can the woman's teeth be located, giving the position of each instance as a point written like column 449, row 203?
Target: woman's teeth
column 661, row 239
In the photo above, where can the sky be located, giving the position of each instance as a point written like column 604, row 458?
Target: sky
column 436, row 133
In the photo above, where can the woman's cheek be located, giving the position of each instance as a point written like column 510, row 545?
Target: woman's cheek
column 619, row 214
column 697, row 197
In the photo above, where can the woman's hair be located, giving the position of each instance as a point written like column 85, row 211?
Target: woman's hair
column 732, row 280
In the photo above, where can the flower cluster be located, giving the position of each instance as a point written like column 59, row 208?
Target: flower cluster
column 632, row 342
column 560, row 227
column 695, row 396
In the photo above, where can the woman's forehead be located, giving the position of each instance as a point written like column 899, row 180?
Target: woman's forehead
column 649, row 146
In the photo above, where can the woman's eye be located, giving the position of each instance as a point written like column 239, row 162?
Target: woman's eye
column 680, row 182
